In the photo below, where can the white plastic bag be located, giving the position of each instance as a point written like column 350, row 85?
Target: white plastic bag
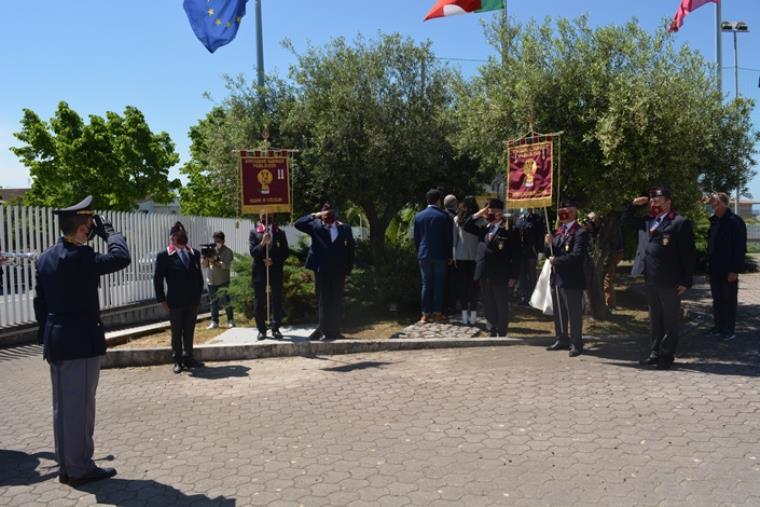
column 542, row 295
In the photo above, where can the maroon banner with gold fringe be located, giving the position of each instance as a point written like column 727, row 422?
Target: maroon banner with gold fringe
column 530, row 174
column 265, row 182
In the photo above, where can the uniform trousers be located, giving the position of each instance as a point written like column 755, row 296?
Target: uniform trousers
column 260, row 305
column 330, row 287
column 526, row 283
column 664, row 317
column 495, row 298
column 183, row 321
column 568, row 316
column 74, row 384
column 725, row 302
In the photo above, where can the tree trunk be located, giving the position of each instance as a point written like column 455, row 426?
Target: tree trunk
column 596, row 267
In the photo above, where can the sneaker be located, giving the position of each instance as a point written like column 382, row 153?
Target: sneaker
column 727, row 337
column 231, row 324
column 213, row 325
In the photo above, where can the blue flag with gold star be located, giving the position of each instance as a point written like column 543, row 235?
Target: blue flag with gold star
column 215, row 22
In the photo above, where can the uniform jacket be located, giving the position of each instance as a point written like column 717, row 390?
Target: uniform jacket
column 499, row 262
column 278, row 252
column 66, row 302
column 433, row 234
column 184, row 286
column 727, row 244
column 324, row 254
column 570, row 251
column 667, row 256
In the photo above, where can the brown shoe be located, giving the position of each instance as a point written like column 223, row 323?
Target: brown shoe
column 439, row 317
column 424, row 319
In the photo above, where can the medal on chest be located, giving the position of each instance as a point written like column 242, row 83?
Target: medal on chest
column 665, row 239
column 501, row 245
column 567, row 247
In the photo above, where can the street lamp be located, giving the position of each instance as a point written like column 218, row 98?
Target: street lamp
column 735, row 27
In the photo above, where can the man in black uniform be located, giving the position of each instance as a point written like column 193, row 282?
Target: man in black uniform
column 566, row 250
column 666, row 256
column 726, row 249
column 499, row 263
column 180, row 266
column 269, row 249
column 68, row 313
column 331, row 257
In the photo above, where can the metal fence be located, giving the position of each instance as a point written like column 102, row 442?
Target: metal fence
column 753, row 233
column 32, row 229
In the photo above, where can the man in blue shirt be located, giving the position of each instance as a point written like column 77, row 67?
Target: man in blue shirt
column 434, row 239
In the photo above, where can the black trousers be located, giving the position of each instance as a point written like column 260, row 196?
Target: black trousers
column 526, row 283
column 495, row 298
column 260, row 305
column 569, row 307
column 183, row 320
column 330, row 287
column 664, row 319
column 466, row 285
column 450, row 294
column 725, row 302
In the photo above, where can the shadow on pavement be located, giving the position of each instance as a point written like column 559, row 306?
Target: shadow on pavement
column 357, row 366
column 23, row 351
column 220, row 372
column 140, row 492
column 20, row 469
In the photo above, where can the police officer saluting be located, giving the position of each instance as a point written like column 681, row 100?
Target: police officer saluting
column 269, row 249
column 666, row 256
column 331, row 257
column 499, row 263
column 68, row 312
column 566, row 250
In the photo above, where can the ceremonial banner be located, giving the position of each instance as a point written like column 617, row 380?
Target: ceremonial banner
column 530, row 175
column 265, row 182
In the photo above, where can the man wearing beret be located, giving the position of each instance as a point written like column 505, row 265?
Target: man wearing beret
column 499, row 263
column 666, row 256
column 566, row 250
column 67, row 310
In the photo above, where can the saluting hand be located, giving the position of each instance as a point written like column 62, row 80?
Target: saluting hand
column 681, row 290
column 641, row 201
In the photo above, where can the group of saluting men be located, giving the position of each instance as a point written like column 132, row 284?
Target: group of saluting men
column 68, row 275
column 483, row 252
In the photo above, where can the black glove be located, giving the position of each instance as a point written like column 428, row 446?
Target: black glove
column 103, row 228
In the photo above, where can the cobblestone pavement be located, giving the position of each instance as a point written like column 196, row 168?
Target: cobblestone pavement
column 512, row 425
column 749, row 294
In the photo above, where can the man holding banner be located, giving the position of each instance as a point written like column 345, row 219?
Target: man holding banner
column 269, row 249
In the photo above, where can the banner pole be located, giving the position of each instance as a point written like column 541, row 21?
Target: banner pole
column 269, row 287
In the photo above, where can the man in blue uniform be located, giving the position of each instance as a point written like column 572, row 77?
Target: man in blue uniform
column 269, row 249
column 499, row 263
column 566, row 250
column 331, row 257
column 68, row 313
column 666, row 256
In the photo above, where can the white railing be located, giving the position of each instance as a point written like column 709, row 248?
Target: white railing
column 32, row 229
column 753, row 233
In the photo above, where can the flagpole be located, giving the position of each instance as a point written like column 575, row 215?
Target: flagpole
column 259, row 46
column 719, row 44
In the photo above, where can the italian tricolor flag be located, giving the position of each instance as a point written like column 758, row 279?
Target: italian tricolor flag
column 453, row 7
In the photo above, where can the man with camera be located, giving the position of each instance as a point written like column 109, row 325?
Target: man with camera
column 217, row 259
column 67, row 310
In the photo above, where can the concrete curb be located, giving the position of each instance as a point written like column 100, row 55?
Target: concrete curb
column 123, row 358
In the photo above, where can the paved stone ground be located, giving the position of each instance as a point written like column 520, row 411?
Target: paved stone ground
column 496, row 426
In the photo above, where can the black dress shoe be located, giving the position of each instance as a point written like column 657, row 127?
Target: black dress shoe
column 276, row 334
column 95, row 475
column 664, row 365
column 574, row 352
column 63, row 478
column 192, row 363
column 330, row 338
column 177, row 367
column 262, row 335
column 315, row 335
column 558, row 345
column 650, row 361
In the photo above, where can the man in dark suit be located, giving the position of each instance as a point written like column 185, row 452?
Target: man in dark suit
column 566, row 250
column 499, row 263
column 726, row 249
column 68, row 313
column 269, row 249
column 434, row 238
column 180, row 266
column 331, row 257
column 666, row 256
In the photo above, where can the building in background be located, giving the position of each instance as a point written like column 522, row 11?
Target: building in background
column 151, row 207
column 10, row 196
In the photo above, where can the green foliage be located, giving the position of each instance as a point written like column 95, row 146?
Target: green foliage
column 117, row 159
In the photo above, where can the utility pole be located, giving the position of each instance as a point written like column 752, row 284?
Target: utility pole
column 259, row 46
column 719, row 44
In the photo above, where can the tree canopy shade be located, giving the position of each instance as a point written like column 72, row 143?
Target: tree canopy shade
column 117, row 159
column 635, row 110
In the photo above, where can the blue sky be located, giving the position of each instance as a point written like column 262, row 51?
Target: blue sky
column 104, row 55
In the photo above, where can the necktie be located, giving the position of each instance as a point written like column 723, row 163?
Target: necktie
column 184, row 257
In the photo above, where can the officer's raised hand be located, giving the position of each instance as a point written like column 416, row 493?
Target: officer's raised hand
column 103, row 228
column 641, row 201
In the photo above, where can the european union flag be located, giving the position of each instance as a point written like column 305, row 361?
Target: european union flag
column 215, row 22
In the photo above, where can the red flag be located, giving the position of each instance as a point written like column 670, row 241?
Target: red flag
column 686, row 7
column 453, row 7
